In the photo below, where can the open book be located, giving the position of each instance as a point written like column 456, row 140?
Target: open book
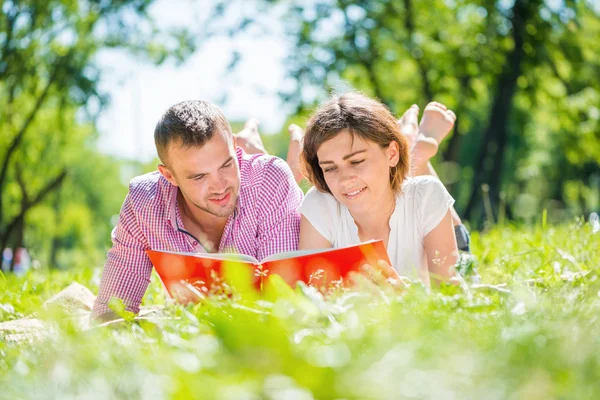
column 322, row 268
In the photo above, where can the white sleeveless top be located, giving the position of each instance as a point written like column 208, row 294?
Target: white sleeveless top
column 420, row 207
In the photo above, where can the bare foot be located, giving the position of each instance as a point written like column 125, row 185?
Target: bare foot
column 249, row 138
column 294, row 149
column 421, row 147
column 437, row 121
column 409, row 124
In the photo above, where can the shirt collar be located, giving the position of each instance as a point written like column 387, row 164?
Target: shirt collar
column 171, row 202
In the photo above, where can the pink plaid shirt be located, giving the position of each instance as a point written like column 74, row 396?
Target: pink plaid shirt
column 265, row 222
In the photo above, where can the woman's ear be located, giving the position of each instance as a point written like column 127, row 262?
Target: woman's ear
column 393, row 153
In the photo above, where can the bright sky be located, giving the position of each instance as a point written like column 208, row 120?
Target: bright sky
column 140, row 92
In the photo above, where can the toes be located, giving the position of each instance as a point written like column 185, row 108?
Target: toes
column 410, row 116
column 296, row 133
column 252, row 123
column 451, row 114
column 435, row 107
column 442, row 106
column 437, row 104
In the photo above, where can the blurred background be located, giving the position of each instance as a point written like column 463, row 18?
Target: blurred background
column 82, row 84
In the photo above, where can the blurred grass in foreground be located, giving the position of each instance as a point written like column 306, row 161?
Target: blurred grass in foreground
column 535, row 338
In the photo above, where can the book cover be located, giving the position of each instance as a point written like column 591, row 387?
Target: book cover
column 187, row 276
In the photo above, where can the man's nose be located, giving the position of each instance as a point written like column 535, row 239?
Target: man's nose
column 218, row 183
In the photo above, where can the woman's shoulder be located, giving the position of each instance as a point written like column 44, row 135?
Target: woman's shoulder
column 316, row 197
column 323, row 211
column 422, row 184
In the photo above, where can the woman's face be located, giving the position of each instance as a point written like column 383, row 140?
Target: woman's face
column 357, row 171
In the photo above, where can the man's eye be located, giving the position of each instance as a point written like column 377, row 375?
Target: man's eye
column 228, row 165
column 356, row 162
column 199, row 178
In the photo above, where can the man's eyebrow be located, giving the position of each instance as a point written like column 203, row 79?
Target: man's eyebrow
column 197, row 175
column 227, row 161
column 194, row 176
column 345, row 157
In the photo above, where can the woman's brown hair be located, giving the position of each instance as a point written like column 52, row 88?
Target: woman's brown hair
column 362, row 116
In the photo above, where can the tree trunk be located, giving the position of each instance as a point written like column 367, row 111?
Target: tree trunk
column 18, row 243
column 496, row 135
column 409, row 25
column 28, row 204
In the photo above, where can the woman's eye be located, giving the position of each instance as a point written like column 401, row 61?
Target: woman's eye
column 330, row 169
column 356, row 162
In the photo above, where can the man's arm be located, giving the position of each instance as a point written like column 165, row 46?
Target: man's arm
column 279, row 219
column 127, row 270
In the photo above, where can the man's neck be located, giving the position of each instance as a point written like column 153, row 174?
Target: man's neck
column 207, row 228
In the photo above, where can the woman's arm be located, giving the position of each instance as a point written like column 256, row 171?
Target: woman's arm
column 310, row 238
column 441, row 250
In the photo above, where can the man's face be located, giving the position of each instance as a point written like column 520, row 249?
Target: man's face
column 208, row 176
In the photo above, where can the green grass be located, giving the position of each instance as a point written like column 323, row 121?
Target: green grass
column 536, row 338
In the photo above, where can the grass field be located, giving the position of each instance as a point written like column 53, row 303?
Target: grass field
column 537, row 337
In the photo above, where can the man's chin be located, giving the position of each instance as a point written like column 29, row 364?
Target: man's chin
column 223, row 211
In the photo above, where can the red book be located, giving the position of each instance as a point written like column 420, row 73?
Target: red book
column 185, row 275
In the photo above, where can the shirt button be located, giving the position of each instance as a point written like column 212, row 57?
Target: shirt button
column 195, row 243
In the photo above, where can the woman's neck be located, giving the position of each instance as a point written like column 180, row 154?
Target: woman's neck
column 376, row 221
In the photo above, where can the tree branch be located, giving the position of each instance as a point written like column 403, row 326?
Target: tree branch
column 368, row 63
column 495, row 135
column 410, row 29
column 49, row 188
column 7, row 51
column 19, row 136
column 22, row 185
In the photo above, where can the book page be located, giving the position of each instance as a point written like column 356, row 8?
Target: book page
column 299, row 253
column 216, row 256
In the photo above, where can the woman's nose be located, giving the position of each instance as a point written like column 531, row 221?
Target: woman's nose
column 347, row 176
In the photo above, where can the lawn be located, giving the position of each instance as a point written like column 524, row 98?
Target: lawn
column 529, row 329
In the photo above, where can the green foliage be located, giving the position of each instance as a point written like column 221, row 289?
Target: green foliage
column 521, row 77
column 535, row 337
column 57, row 192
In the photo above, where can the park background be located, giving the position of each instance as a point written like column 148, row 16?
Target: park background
column 82, row 84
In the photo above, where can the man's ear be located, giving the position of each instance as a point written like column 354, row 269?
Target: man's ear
column 393, row 153
column 164, row 170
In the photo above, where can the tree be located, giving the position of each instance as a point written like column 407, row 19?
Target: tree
column 49, row 96
column 494, row 63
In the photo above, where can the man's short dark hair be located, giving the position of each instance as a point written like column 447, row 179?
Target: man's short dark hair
column 191, row 123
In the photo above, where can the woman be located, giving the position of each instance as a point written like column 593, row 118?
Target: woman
column 358, row 161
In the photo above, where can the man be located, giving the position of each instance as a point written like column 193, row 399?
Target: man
column 207, row 196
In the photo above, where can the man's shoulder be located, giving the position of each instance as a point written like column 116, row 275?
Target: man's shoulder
column 148, row 188
column 145, row 183
column 264, row 169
